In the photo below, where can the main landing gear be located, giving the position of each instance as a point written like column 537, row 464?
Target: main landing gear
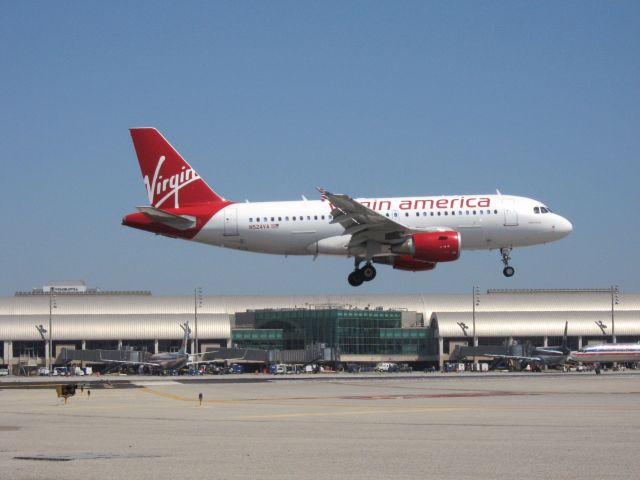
column 508, row 270
column 361, row 275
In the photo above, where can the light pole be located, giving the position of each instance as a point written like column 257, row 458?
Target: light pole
column 42, row 331
column 52, row 305
column 197, row 303
column 476, row 303
column 615, row 298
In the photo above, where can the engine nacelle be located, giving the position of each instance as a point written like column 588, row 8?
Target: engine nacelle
column 405, row 262
column 431, row 246
column 410, row 264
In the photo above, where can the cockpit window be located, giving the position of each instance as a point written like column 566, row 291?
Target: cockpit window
column 536, row 209
column 544, row 210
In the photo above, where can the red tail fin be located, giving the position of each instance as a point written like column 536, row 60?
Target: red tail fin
column 169, row 179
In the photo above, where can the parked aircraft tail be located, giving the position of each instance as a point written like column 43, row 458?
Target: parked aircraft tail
column 185, row 338
column 565, row 343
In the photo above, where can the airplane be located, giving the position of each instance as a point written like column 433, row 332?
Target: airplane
column 556, row 356
column 164, row 360
column 608, row 352
column 406, row 233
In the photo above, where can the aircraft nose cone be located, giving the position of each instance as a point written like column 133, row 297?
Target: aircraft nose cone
column 562, row 226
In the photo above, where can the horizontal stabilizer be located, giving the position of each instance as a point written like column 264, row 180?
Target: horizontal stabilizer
column 179, row 222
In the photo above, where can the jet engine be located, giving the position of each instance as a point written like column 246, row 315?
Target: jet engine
column 431, row 247
column 410, row 264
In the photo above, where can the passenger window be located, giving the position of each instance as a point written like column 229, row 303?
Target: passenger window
column 495, row 211
column 308, row 217
column 250, row 219
column 387, row 215
column 265, row 219
column 273, row 219
column 432, row 214
column 322, row 217
column 417, row 214
column 315, row 217
column 439, row 213
column 446, row 213
column 279, row 219
column 286, row 219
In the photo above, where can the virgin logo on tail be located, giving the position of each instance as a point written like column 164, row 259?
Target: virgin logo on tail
column 166, row 174
column 160, row 189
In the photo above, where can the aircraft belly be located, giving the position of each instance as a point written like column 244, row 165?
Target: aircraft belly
column 606, row 357
column 212, row 233
column 487, row 237
column 472, row 237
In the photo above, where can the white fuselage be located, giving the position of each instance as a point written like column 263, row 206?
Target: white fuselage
column 304, row 227
column 609, row 352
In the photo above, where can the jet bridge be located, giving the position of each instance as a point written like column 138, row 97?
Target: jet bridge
column 101, row 356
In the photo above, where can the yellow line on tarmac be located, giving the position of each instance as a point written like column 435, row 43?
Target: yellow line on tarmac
column 296, row 402
column 181, row 398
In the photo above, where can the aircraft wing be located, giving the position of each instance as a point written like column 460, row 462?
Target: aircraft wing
column 513, row 357
column 128, row 362
column 364, row 224
column 213, row 359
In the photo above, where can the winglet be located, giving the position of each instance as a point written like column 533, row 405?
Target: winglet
column 324, row 195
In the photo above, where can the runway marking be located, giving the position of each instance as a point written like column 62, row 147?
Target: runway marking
column 435, row 395
column 351, row 413
column 182, row 398
column 475, row 394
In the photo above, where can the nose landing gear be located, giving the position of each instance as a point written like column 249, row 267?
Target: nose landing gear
column 508, row 270
column 361, row 275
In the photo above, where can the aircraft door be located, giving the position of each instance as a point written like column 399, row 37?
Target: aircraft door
column 230, row 222
column 510, row 213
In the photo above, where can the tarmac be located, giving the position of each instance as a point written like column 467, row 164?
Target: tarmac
column 445, row 426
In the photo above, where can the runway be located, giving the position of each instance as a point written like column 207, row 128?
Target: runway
column 434, row 426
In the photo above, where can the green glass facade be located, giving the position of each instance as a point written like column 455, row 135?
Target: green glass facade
column 352, row 332
column 264, row 339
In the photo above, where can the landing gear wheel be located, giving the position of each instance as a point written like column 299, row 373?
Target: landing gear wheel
column 508, row 270
column 368, row 272
column 356, row 278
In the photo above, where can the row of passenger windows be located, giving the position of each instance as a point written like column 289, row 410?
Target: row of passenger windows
column 395, row 215
column 446, row 213
column 294, row 218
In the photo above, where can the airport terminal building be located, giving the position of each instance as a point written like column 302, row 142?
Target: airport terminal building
column 420, row 329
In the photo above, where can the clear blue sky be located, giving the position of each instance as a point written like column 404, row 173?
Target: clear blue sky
column 269, row 99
